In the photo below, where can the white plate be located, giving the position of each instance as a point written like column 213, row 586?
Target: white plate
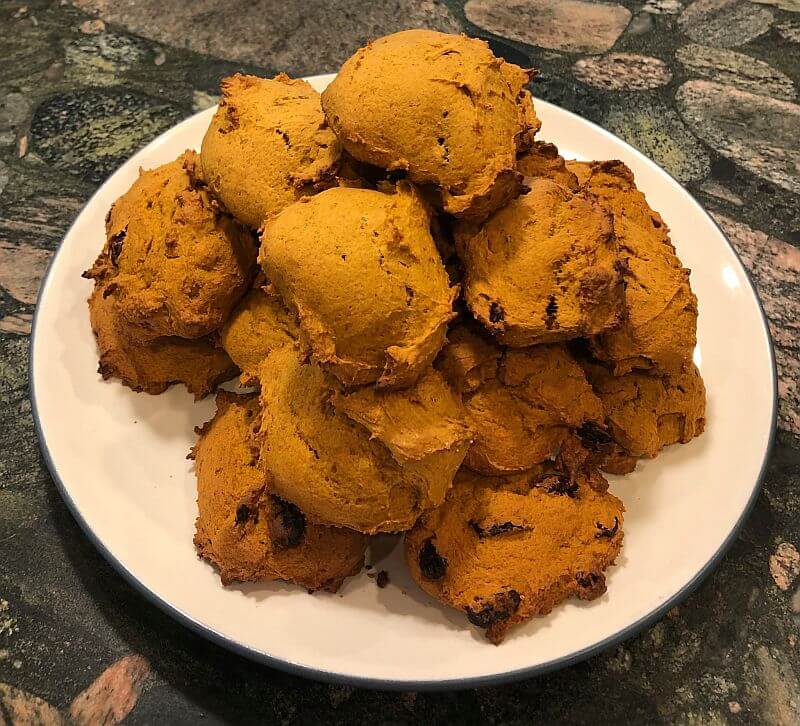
column 119, row 459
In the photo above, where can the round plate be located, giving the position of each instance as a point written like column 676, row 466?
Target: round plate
column 119, row 459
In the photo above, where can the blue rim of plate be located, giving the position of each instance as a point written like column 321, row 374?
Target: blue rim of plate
column 298, row 669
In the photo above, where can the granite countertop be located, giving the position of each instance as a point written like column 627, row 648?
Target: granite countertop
column 709, row 89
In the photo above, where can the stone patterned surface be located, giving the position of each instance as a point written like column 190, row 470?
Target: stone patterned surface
column 758, row 132
column 658, row 131
column 724, row 23
column 736, row 69
column 81, row 88
column 315, row 36
column 570, row 25
column 622, row 72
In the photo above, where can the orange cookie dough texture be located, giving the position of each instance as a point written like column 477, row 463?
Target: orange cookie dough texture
column 469, row 359
column 259, row 323
column 646, row 412
column 440, row 107
column 174, row 262
column 245, row 531
column 542, row 161
column 544, row 268
column 154, row 366
column 268, row 144
column 372, row 460
column 505, row 550
column 659, row 330
column 522, row 415
column 362, row 272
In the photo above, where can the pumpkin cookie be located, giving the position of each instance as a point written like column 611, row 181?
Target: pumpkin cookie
column 659, row 329
column 505, row 550
column 647, row 412
column 174, row 263
column 469, row 359
column 441, row 108
column 362, row 271
column 368, row 459
column 542, row 161
column 267, row 145
column 245, row 531
column 154, row 366
column 544, row 268
column 259, row 323
column 526, row 405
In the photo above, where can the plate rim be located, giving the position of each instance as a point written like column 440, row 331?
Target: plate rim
column 326, row 676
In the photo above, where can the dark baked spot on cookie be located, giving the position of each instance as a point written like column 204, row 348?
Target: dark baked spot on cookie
column 562, row 484
column 498, row 529
column 501, row 607
column 594, row 437
column 591, row 584
column 115, row 246
column 286, row 525
column 284, row 136
column 396, row 175
column 496, row 313
column 170, row 248
column 409, row 295
column 550, row 313
column 431, row 564
column 242, row 514
column 607, row 531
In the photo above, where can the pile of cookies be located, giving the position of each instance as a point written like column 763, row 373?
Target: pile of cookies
column 441, row 328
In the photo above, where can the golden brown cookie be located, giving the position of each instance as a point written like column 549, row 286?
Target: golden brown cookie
column 646, row 412
column 522, row 416
column 259, row 323
column 542, row 161
column 505, row 550
column 368, row 459
column 440, row 107
column 659, row 330
column 245, row 531
column 361, row 269
column 174, row 262
column 268, row 144
column 154, row 366
column 470, row 357
column 544, row 268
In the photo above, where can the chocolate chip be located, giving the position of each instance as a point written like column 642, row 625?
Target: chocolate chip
column 287, row 525
column 501, row 607
column 431, row 564
column 497, row 529
column 550, row 313
column 396, row 175
column 592, row 584
column 242, row 514
column 115, row 246
column 563, row 485
column 496, row 313
column 594, row 437
column 607, row 531
column 382, row 580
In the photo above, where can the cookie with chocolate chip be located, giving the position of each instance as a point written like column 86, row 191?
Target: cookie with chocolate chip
column 506, row 549
column 247, row 532
column 646, row 412
column 544, row 268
